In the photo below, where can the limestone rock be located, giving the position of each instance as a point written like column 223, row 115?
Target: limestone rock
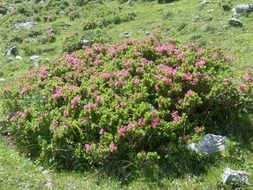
column 229, row 176
column 243, row 8
column 25, row 25
column 209, row 144
column 235, row 22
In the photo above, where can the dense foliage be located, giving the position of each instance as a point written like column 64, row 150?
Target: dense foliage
column 137, row 100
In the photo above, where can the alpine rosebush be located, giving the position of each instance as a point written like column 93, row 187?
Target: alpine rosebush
column 137, row 100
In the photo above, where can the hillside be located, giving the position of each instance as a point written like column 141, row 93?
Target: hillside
column 37, row 33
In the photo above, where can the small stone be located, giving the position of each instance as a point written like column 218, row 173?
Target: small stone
column 127, row 34
column 209, row 144
column 205, row 2
column 235, row 22
column 229, row 176
column 35, row 58
column 12, row 51
column 18, row 57
column 25, row 25
column 147, row 33
column 2, row 80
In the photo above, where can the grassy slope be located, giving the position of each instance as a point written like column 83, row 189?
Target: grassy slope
column 185, row 21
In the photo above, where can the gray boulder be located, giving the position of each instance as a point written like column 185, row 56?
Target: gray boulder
column 229, row 176
column 209, row 144
column 243, row 8
column 235, row 22
column 25, row 25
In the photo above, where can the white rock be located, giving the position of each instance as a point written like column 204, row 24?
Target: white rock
column 205, row 2
column 235, row 22
column 2, row 80
column 209, row 144
column 35, row 58
column 234, row 175
column 25, row 25
column 18, row 57
column 243, row 8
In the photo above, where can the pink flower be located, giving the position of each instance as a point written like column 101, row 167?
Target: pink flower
column 140, row 121
column 66, row 113
column 55, row 122
column 197, row 129
column 166, row 80
column 88, row 147
column 200, row 63
column 243, row 87
column 121, row 104
column 113, row 147
column 187, row 76
column 130, row 126
column 195, row 80
column 57, row 93
column 106, row 76
column 43, row 72
column 247, row 77
column 136, row 81
column 154, row 112
column 118, row 83
column 155, row 122
column 121, row 131
column 227, row 79
column 85, row 120
column 175, row 116
column 75, row 101
column 189, row 92
column 64, row 126
column 101, row 131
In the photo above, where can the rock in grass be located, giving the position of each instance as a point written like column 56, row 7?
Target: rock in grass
column 243, row 8
column 209, row 144
column 2, row 80
column 235, row 22
column 205, row 2
column 234, row 176
column 35, row 58
column 12, row 51
column 127, row 34
column 25, row 25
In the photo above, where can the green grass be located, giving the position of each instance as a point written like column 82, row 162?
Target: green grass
column 184, row 20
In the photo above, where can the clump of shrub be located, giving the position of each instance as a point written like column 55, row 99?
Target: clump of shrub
column 136, row 100
column 72, row 42
column 105, row 21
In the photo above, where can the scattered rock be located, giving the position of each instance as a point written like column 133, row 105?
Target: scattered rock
column 85, row 42
column 25, row 25
column 2, row 80
column 127, row 34
column 35, row 58
column 229, row 176
column 209, row 144
column 18, row 57
column 12, row 51
column 147, row 33
column 243, row 8
column 235, row 22
column 205, row 2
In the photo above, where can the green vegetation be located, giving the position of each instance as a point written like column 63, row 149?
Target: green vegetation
column 65, row 26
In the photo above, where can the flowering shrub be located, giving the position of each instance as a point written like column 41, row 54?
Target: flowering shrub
column 140, row 99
